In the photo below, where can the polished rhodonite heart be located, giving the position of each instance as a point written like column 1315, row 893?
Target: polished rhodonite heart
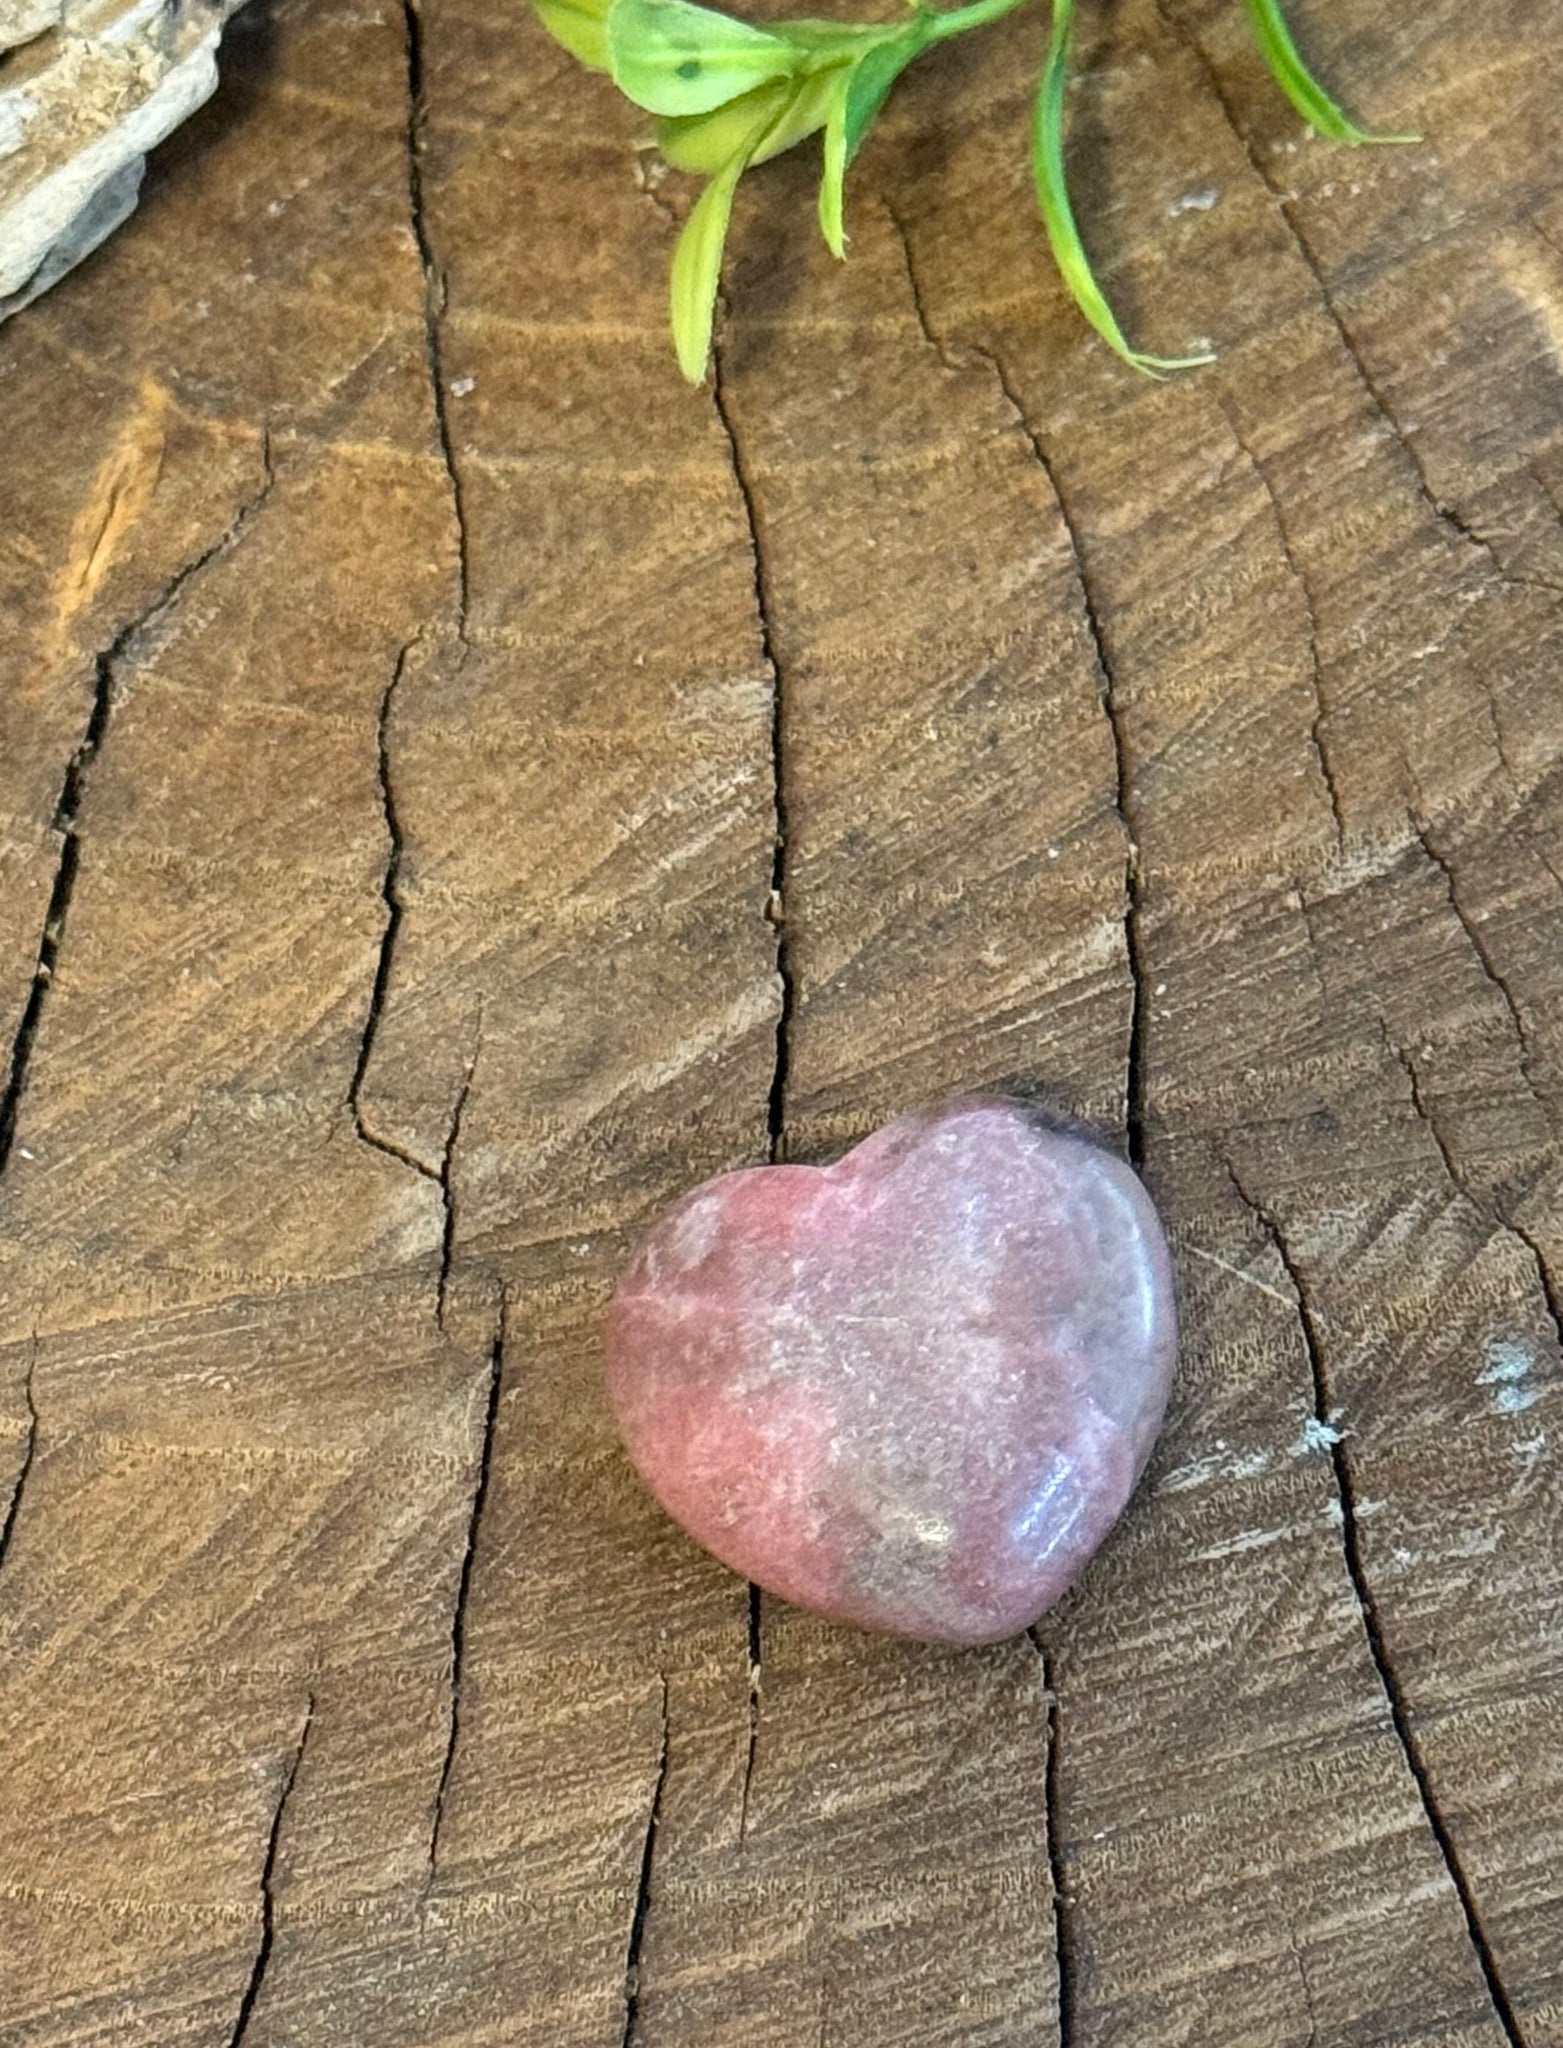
column 911, row 1390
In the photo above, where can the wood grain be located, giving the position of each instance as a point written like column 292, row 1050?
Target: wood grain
column 460, row 786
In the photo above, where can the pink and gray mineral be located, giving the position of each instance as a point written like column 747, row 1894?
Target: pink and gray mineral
column 912, row 1390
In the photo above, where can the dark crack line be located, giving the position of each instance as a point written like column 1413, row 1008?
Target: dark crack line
column 648, row 1852
column 1323, row 709
column 1500, row 746
column 756, row 1670
column 1351, row 1547
column 914, row 286
column 66, row 820
column 262, row 1956
column 1538, row 228
column 1316, row 950
column 1547, row 491
column 1309, row 1323
column 1123, row 776
column 435, row 301
column 447, row 1181
column 1447, row 515
column 778, row 911
column 776, row 1108
column 1424, row 1110
column 458, row 1620
column 1549, row 867
column 1496, row 1218
column 1549, row 1289
column 395, row 911
column 29, row 1450
column 1063, row 1937
column 1478, row 945
column 1107, row 692
column 1307, row 1992
column 391, row 896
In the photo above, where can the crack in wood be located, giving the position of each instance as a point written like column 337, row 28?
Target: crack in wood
column 1484, row 959
column 1107, row 691
column 1534, row 471
column 66, row 820
column 29, row 1450
column 756, row 1670
column 666, row 1981
column 268, row 1928
column 458, row 1623
column 1317, row 950
column 1500, row 745
column 642, row 1905
column 1447, row 515
column 1544, row 1274
column 1420, row 1104
column 1496, row 1216
column 914, row 286
column 436, row 299
column 1324, row 1410
column 1134, row 1076
column 776, row 1107
column 1052, row 1781
column 395, row 912
column 395, row 909
column 447, row 1182
column 1307, row 1992
column 1323, row 708
column 778, row 910
column 1124, row 799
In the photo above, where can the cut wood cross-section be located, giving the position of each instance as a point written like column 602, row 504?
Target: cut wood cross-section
column 459, row 786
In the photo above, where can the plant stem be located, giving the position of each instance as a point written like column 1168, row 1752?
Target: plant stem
column 942, row 26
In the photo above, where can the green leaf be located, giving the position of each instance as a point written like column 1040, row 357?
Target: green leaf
column 833, row 40
column 697, row 266
column 1047, row 163
column 804, row 115
column 1298, row 83
column 872, row 77
column 704, row 142
column 832, row 198
column 581, row 25
column 855, row 100
column 788, row 109
column 672, row 58
column 697, row 261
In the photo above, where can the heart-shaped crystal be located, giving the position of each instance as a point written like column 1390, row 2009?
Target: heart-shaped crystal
column 912, row 1390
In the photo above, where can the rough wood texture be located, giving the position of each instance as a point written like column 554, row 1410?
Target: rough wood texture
column 405, row 682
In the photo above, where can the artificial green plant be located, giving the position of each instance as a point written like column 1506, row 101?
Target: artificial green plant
column 727, row 95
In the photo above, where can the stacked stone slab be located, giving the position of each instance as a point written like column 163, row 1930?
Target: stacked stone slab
column 87, row 87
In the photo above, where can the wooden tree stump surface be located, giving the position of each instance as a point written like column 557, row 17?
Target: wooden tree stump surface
column 405, row 678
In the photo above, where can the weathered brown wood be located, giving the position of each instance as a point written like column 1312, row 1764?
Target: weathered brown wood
column 406, row 681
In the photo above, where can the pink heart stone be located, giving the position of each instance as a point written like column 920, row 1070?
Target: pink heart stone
column 912, row 1390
